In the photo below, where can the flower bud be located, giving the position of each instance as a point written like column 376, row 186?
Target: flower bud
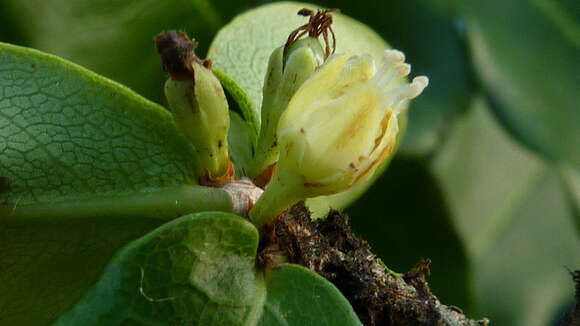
column 337, row 129
column 287, row 70
column 197, row 101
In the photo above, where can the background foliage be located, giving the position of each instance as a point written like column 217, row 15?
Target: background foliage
column 486, row 183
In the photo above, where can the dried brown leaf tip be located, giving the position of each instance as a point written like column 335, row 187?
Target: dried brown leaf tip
column 319, row 23
column 177, row 53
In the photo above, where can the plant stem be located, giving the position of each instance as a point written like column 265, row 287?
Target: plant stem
column 163, row 204
column 276, row 198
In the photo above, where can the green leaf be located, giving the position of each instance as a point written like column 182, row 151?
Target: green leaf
column 85, row 166
column 67, row 132
column 115, row 38
column 200, row 270
column 70, row 135
column 526, row 53
column 511, row 212
column 298, row 296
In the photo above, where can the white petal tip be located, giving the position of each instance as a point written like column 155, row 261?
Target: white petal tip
column 394, row 56
column 416, row 87
column 421, row 81
column 403, row 69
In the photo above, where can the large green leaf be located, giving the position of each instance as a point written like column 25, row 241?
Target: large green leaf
column 74, row 145
column 114, row 38
column 514, row 218
column 200, row 270
column 526, row 53
column 70, row 135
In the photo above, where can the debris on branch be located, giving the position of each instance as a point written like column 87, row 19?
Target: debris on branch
column 378, row 295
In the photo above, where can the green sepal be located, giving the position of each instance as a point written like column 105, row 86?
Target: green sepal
column 287, row 71
column 200, row 110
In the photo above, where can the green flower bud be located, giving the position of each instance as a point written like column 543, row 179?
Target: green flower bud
column 287, row 70
column 197, row 101
column 338, row 127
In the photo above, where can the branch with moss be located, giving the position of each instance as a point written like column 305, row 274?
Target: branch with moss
column 378, row 295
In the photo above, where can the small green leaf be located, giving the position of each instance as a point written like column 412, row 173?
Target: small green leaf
column 200, row 270
column 298, row 296
column 526, row 53
column 513, row 216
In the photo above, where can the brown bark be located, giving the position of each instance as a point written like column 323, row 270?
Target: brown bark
column 378, row 295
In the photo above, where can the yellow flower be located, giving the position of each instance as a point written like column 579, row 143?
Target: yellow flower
column 338, row 127
column 342, row 122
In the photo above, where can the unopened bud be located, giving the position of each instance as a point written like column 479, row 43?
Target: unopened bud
column 197, row 101
column 287, row 70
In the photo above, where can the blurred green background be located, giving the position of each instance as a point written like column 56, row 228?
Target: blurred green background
column 487, row 181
